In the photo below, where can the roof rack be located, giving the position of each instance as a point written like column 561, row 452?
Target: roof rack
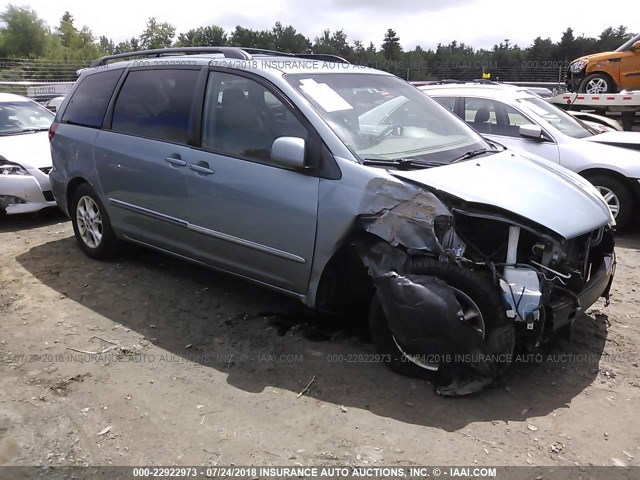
column 228, row 52
column 324, row 57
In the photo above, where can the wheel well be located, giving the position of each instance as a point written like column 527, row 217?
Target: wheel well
column 633, row 188
column 345, row 284
column 71, row 188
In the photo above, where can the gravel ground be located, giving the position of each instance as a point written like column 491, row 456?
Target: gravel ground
column 193, row 367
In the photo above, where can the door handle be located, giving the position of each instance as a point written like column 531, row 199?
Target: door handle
column 201, row 167
column 176, row 161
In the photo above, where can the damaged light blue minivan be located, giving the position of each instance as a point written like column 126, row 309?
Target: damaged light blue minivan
column 290, row 171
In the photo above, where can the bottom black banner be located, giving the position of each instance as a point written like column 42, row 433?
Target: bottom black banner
column 321, row 472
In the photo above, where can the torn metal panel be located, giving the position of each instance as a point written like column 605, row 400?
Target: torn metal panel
column 403, row 215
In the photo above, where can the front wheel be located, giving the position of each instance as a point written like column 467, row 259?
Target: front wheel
column 483, row 309
column 91, row 224
column 618, row 197
column 596, row 84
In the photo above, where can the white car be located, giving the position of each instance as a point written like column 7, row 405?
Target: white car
column 599, row 123
column 527, row 123
column 25, row 157
column 54, row 103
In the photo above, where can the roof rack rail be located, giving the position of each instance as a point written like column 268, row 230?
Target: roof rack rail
column 229, row 52
column 324, row 57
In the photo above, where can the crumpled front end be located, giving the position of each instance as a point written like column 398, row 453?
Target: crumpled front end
column 536, row 280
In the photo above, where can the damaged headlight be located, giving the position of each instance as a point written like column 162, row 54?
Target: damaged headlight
column 10, row 168
column 578, row 66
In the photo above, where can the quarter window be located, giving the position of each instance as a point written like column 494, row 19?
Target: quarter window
column 242, row 118
column 156, row 104
column 90, row 100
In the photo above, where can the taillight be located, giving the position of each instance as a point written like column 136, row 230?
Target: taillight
column 52, row 130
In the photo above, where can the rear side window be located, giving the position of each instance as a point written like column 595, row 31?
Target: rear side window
column 90, row 100
column 156, row 104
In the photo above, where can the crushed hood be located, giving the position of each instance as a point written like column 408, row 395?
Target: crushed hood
column 31, row 150
column 536, row 189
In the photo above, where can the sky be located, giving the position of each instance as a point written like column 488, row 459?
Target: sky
column 479, row 23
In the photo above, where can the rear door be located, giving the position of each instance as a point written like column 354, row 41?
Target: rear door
column 141, row 155
column 248, row 215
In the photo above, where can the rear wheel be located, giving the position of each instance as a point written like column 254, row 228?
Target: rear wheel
column 618, row 197
column 91, row 224
column 482, row 306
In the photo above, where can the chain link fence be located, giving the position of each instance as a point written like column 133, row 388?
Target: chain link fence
column 26, row 76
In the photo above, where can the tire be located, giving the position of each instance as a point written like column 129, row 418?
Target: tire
column 91, row 224
column 498, row 329
column 622, row 199
column 596, row 84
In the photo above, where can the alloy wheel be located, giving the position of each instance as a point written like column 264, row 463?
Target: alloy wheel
column 611, row 198
column 89, row 222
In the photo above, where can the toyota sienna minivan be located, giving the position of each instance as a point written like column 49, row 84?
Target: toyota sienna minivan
column 271, row 167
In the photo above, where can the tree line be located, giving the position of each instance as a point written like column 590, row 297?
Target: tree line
column 24, row 35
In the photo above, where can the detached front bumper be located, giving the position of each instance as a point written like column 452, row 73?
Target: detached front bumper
column 563, row 312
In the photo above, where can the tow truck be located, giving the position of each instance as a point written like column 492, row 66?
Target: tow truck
column 627, row 104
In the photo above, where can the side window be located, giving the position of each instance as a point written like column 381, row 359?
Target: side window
column 90, row 100
column 479, row 112
column 447, row 102
column 156, row 104
column 242, row 118
column 514, row 117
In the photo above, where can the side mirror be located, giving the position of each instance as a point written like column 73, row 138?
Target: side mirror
column 635, row 46
column 533, row 132
column 289, row 152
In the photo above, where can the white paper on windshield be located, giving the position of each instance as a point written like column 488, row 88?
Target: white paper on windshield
column 324, row 95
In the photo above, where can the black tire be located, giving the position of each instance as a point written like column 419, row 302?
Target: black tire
column 108, row 246
column 499, row 330
column 609, row 86
column 623, row 194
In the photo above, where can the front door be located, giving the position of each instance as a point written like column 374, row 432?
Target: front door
column 247, row 215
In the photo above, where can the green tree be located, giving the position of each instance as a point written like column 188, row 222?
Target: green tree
column 612, row 38
column 106, row 45
column 333, row 43
column 157, row 35
column 542, row 49
column 67, row 32
column 391, row 48
column 287, row 39
column 212, row 36
column 24, row 34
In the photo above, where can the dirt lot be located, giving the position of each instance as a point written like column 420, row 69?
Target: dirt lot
column 201, row 369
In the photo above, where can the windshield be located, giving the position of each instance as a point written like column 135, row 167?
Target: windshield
column 627, row 45
column 384, row 118
column 555, row 117
column 18, row 117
